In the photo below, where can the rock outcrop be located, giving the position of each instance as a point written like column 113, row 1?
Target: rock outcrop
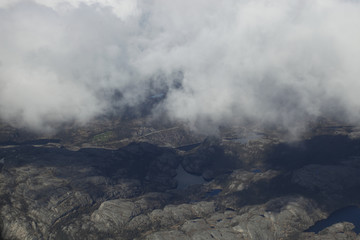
column 256, row 188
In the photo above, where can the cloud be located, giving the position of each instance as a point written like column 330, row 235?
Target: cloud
column 273, row 62
column 121, row 8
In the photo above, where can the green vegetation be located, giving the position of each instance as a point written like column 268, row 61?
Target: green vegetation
column 103, row 137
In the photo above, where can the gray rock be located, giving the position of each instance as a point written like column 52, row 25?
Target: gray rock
column 52, row 193
column 172, row 214
column 216, row 234
column 281, row 218
column 114, row 214
column 168, row 235
column 194, row 225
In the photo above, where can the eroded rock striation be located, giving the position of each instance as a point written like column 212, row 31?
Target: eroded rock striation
column 256, row 186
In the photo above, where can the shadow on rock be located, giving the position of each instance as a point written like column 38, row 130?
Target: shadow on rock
column 318, row 150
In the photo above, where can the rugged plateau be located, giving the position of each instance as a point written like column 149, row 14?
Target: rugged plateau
column 133, row 179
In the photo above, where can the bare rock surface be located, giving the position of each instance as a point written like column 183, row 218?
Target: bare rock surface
column 281, row 218
column 257, row 185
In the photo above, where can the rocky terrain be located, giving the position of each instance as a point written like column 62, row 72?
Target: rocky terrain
column 120, row 179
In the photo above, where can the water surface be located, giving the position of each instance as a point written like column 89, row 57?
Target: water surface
column 186, row 179
column 347, row 214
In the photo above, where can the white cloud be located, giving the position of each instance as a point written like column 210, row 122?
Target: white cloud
column 280, row 62
column 121, row 8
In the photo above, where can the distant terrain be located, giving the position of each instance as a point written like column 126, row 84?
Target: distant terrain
column 140, row 179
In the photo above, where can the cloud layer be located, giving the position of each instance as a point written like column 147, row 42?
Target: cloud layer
column 274, row 62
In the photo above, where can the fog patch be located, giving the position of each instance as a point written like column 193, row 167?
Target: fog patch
column 206, row 63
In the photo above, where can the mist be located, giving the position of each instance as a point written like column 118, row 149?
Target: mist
column 282, row 62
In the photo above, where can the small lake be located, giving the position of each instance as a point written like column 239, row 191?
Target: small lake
column 213, row 193
column 347, row 214
column 186, row 179
column 188, row 147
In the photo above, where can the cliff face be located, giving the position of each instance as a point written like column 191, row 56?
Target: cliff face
column 92, row 183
